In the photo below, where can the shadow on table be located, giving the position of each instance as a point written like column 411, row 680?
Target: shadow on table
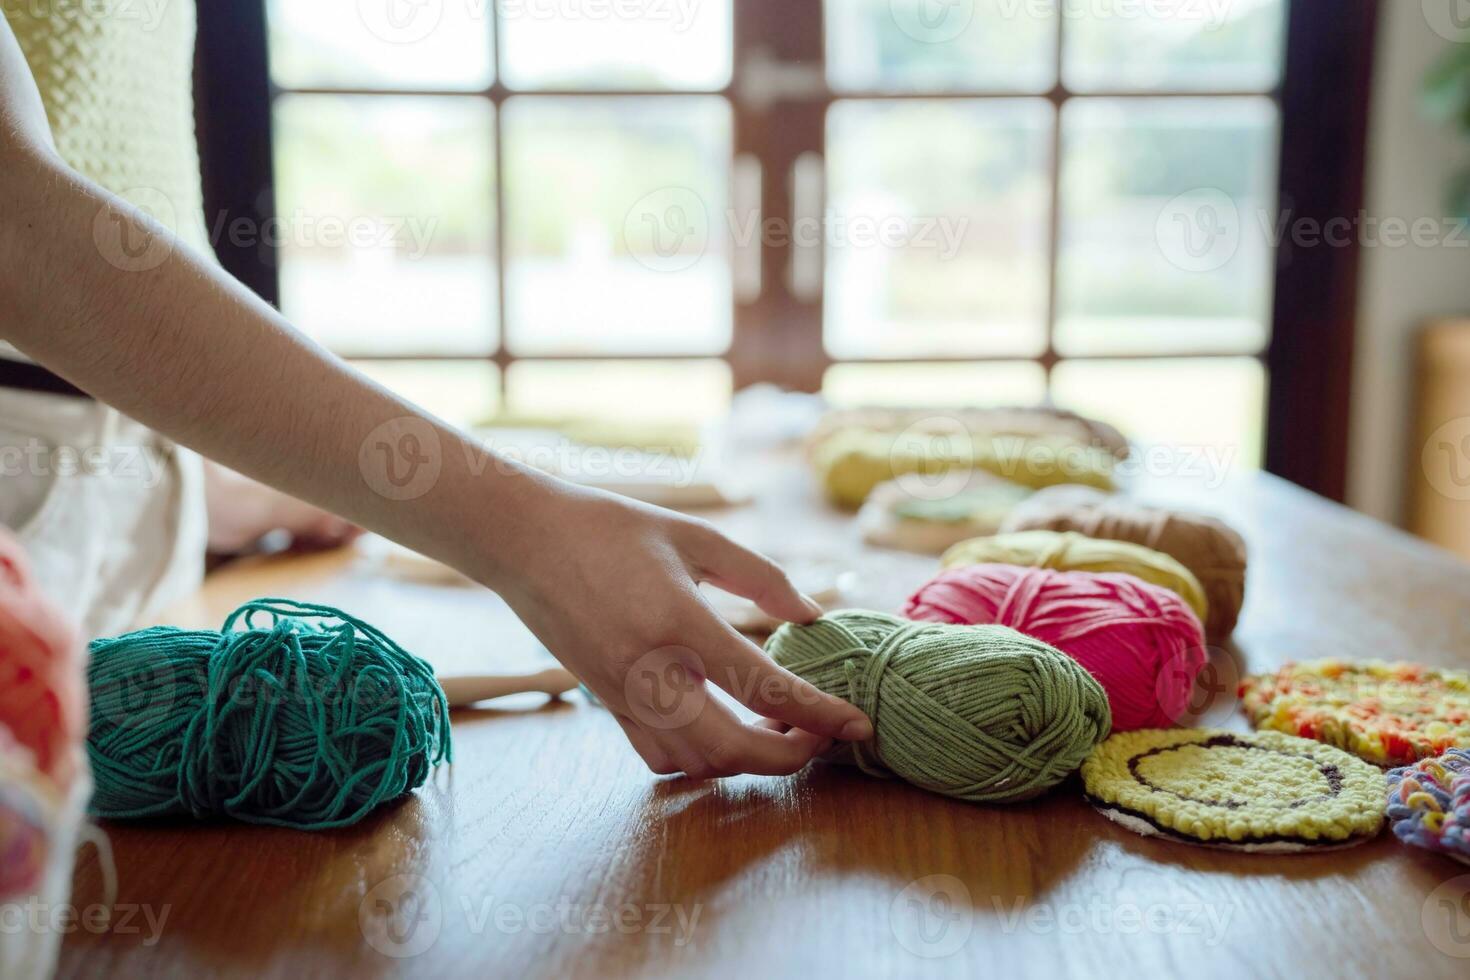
column 1305, row 865
column 841, row 834
column 210, row 919
column 831, row 828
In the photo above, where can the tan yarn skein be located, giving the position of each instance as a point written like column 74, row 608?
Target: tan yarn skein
column 1206, row 546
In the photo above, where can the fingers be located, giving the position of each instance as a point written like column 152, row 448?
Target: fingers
column 675, row 725
column 772, row 691
column 738, row 570
column 647, row 747
column 718, row 744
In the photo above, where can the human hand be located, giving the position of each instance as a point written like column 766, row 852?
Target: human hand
column 610, row 586
column 241, row 511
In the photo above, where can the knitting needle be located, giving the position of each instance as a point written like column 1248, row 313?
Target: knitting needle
column 466, row 690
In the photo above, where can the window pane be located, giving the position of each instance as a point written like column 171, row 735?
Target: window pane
column 616, row 225
column 465, row 393
column 857, row 385
column 380, row 43
column 375, row 258
column 1211, row 409
column 686, row 391
column 937, row 227
column 1166, row 205
column 924, row 46
column 628, row 44
column 1188, row 45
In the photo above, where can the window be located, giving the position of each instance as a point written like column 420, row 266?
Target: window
column 570, row 205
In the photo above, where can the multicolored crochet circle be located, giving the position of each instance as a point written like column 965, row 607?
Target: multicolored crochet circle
column 1264, row 791
column 1389, row 714
column 1429, row 804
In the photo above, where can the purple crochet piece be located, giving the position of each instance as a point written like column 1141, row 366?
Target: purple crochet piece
column 1419, row 794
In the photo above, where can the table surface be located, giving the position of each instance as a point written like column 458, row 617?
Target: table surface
column 548, row 849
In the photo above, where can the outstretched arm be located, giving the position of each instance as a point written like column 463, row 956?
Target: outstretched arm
column 608, row 585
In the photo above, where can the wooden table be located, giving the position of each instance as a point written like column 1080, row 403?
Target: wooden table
column 548, row 850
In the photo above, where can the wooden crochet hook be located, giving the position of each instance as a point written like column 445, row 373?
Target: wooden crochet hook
column 465, row 690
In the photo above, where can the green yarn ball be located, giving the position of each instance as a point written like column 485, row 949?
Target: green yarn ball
column 980, row 713
column 293, row 715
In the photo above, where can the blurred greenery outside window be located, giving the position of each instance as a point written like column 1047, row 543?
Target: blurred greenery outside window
column 517, row 205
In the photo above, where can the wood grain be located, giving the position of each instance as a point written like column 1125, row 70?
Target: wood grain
column 547, row 850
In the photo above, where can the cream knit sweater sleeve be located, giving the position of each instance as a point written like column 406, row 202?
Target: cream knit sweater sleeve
column 117, row 83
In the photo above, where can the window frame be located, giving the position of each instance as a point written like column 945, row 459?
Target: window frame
column 777, row 337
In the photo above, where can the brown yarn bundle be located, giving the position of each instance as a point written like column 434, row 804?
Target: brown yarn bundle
column 1206, row 546
column 1025, row 421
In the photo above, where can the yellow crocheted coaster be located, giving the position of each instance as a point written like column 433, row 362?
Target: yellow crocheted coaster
column 1264, row 791
column 1388, row 713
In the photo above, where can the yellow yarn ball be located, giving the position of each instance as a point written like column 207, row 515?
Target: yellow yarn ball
column 1072, row 552
column 852, row 462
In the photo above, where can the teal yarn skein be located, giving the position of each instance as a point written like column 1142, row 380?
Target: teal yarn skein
column 979, row 713
column 292, row 715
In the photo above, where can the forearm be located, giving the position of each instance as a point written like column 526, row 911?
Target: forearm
column 188, row 351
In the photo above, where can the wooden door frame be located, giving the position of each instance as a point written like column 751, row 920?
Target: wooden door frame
column 1324, row 128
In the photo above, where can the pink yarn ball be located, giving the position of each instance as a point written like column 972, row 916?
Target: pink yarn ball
column 43, row 698
column 1141, row 642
